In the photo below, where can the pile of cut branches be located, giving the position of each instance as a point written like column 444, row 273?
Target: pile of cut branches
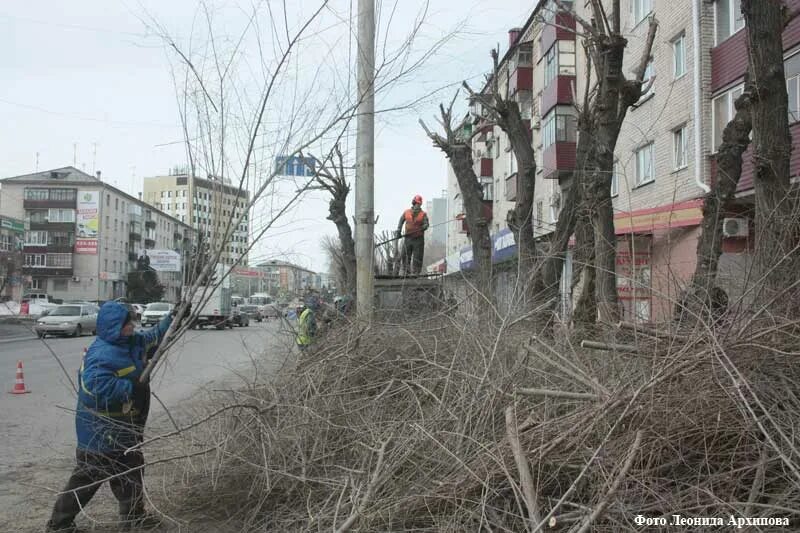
column 462, row 426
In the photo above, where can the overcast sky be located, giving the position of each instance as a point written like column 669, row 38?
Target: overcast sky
column 89, row 81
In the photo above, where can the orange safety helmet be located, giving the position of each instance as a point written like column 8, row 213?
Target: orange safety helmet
column 417, row 200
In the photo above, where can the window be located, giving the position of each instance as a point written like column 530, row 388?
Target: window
column 36, row 238
column 539, row 214
column 648, row 86
column 644, row 165
column 512, row 162
column 679, row 56
column 169, row 194
column 34, row 260
column 559, row 61
column 36, row 194
column 116, row 225
column 728, row 18
column 6, row 242
column 525, row 54
column 163, row 194
column 791, row 68
column 61, row 215
column 59, row 260
column 640, row 9
column 37, row 284
column 555, row 207
column 558, row 127
column 679, row 159
column 105, row 265
column 615, row 180
column 723, row 111
column 116, row 203
column 488, row 190
column 108, row 199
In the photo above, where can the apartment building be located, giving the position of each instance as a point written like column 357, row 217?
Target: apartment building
column 285, row 278
column 206, row 205
column 664, row 161
column 83, row 236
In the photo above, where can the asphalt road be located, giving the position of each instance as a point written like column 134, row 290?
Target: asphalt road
column 37, row 430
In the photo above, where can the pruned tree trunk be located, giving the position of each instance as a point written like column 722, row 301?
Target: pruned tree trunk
column 457, row 148
column 505, row 113
column 772, row 144
column 460, row 156
column 735, row 140
column 338, row 216
column 607, row 109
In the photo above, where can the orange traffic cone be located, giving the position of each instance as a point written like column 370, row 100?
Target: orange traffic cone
column 19, row 384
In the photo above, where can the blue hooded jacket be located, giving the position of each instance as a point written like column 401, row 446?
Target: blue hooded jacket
column 108, row 415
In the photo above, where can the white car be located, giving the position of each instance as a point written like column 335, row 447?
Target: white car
column 154, row 312
column 68, row 319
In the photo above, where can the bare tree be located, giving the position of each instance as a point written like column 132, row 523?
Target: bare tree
column 332, row 247
column 497, row 108
column 456, row 146
column 330, row 176
column 735, row 140
column 776, row 219
column 610, row 99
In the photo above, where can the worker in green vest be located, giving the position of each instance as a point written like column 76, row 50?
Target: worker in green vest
column 307, row 323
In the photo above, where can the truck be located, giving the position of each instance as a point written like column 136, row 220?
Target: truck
column 213, row 304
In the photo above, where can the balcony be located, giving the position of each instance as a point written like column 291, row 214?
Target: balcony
column 40, row 198
column 149, row 244
column 558, row 91
column 521, row 80
column 136, row 236
column 562, row 30
column 558, row 160
column 150, row 223
column 132, row 256
column 511, row 187
column 53, row 226
column 487, row 167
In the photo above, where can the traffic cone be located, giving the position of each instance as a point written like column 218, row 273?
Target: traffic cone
column 19, row 384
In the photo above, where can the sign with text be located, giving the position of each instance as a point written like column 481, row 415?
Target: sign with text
column 87, row 222
column 163, row 260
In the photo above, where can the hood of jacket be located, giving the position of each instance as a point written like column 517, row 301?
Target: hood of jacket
column 110, row 320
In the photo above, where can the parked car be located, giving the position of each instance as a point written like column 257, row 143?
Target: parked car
column 239, row 319
column 252, row 311
column 68, row 319
column 271, row 311
column 154, row 312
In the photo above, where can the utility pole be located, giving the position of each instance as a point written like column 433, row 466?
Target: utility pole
column 365, row 160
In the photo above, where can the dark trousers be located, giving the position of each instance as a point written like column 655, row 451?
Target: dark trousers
column 82, row 485
column 413, row 248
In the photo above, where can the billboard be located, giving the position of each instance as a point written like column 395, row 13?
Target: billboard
column 161, row 260
column 87, row 222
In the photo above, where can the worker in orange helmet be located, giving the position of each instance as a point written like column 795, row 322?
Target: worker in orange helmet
column 416, row 222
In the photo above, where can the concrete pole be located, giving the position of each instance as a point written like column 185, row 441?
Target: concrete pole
column 365, row 160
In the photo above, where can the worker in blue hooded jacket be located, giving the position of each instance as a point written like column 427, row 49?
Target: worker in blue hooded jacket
column 111, row 414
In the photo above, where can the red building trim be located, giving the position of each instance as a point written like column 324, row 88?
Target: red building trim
column 562, row 30
column 521, row 80
column 557, row 158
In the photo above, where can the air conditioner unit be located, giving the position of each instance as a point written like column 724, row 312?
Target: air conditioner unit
column 735, row 227
column 76, row 279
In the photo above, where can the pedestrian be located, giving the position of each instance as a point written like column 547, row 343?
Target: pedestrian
column 307, row 323
column 110, row 418
column 416, row 222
